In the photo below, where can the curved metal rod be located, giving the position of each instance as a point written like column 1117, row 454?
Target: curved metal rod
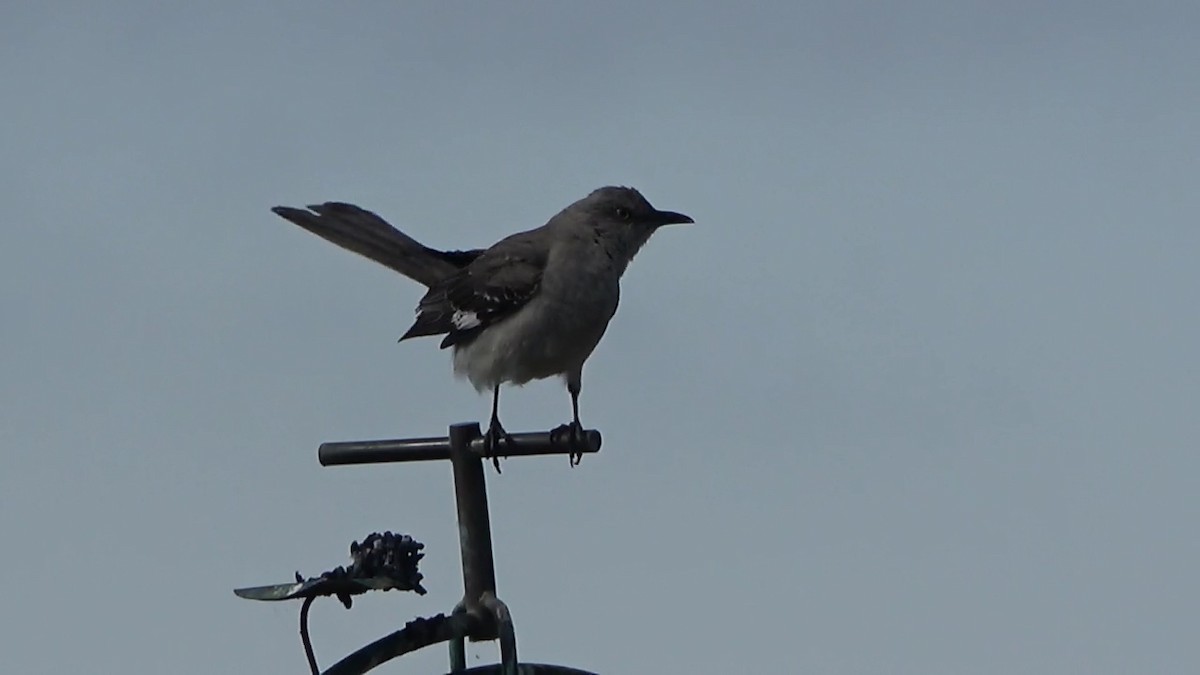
column 527, row 669
column 304, row 637
column 415, row 635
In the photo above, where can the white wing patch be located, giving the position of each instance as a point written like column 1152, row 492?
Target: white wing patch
column 464, row 320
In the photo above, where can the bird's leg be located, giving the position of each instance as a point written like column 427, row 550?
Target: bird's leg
column 575, row 428
column 495, row 433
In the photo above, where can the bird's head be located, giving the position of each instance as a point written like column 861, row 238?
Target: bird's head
column 623, row 217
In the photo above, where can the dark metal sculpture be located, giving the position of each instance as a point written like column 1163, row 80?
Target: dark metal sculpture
column 387, row 561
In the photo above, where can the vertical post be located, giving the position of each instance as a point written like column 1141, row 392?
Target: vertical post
column 474, row 527
column 458, row 648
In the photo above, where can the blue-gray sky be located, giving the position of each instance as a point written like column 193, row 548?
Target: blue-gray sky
column 917, row 394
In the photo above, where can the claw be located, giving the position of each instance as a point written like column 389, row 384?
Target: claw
column 576, row 439
column 492, row 440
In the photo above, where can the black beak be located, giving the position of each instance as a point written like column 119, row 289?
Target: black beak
column 671, row 218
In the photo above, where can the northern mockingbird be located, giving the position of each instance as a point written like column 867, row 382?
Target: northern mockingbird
column 533, row 305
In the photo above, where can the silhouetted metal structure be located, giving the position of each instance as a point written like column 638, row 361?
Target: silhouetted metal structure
column 480, row 615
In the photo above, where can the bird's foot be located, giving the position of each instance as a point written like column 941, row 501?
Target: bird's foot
column 493, row 439
column 575, row 438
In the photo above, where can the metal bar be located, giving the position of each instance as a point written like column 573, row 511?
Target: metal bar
column 474, row 526
column 458, row 647
column 555, row 442
column 458, row 654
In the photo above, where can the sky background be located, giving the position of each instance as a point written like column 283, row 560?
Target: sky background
column 917, row 394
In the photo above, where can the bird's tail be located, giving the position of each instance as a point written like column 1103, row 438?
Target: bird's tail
column 368, row 235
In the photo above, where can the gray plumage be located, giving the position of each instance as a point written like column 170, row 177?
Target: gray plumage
column 533, row 305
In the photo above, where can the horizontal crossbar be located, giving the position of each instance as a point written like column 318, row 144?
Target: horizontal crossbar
column 554, row 442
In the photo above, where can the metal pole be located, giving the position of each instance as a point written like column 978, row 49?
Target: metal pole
column 458, row 645
column 474, row 527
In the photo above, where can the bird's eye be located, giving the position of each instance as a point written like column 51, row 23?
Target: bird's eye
column 623, row 213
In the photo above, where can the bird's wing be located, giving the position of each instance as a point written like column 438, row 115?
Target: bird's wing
column 493, row 286
column 358, row 230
